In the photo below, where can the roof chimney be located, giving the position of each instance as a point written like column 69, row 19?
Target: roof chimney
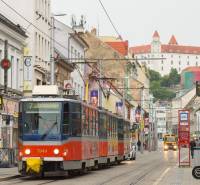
column 94, row 31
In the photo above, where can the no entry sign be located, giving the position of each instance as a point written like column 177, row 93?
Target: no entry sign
column 5, row 64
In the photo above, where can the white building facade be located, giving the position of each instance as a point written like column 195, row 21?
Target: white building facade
column 15, row 37
column 161, row 121
column 163, row 57
column 35, row 18
column 72, row 47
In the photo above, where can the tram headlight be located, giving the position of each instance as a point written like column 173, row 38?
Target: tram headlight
column 165, row 147
column 175, row 147
column 56, row 151
column 27, row 151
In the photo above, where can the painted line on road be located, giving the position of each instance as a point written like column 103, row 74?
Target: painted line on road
column 161, row 177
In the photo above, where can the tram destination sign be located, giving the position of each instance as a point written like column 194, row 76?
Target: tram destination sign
column 31, row 106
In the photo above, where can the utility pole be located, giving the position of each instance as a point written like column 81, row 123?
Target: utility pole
column 124, row 99
column 52, row 52
column 5, row 68
column 100, row 75
column 142, row 129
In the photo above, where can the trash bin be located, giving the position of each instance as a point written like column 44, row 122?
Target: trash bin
column 196, row 163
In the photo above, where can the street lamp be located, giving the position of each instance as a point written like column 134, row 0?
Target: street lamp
column 52, row 46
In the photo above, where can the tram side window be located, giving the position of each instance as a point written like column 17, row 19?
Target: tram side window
column 83, row 122
column 93, row 122
column 86, row 122
column 96, row 123
column 102, row 125
column 75, row 111
column 66, row 119
column 115, row 128
column 120, row 129
column 125, row 133
column 110, row 126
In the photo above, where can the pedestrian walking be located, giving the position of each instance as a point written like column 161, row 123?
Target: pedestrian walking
column 139, row 145
column 192, row 146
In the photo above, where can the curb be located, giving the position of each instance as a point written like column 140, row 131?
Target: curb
column 9, row 178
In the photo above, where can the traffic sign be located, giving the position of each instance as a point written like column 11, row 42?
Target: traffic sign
column 5, row 64
column 184, row 135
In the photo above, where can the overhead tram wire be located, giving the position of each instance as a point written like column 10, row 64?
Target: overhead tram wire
column 30, row 23
column 110, row 19
column 33, row 25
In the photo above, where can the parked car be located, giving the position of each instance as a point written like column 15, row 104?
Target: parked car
column 132, row 154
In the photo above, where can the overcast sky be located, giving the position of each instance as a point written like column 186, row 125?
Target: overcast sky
column 136, row 20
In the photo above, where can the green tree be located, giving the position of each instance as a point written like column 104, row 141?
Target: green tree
column 174, row 77
column 163, row 94
column 154, row 85
column 165, row 82
column 154, row 75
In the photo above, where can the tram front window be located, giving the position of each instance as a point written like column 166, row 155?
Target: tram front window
column 41, row 120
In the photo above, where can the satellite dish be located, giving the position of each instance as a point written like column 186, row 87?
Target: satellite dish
column 73, row 20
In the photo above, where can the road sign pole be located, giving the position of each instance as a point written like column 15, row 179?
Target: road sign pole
column 5, row 69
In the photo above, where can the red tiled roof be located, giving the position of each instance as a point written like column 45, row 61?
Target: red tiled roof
column 156, row 34
column 140, row 49
column 173, row 40
column 192, row 68
column 180, row 49
column 120, row 46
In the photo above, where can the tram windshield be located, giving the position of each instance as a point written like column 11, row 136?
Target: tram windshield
column 41, row 120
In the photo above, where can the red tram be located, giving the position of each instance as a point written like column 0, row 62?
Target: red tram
column 58, row 134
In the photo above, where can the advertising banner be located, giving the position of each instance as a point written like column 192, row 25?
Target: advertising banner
column 94, row 98
column 1, row 102
column 119, row 107
column 138, row 114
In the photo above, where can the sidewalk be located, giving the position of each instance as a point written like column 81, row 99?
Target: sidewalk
column 8, row 173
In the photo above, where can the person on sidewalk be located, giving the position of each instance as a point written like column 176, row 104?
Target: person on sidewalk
column 192, row 146
column 139, row 145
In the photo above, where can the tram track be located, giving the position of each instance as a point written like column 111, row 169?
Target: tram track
column 134, row 175
column 138, row 178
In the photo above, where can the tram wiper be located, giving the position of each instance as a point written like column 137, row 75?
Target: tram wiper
column 48, row 131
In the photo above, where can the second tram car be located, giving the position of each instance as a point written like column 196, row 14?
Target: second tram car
column 58, row 134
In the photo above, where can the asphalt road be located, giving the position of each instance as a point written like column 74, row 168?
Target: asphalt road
column 149, row 168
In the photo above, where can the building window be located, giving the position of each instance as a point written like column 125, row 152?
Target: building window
column 188, row 63
column 72, row 52
column 179, row 56
column 196, row 57
column 12, row 70
column 17, row 74
column 196, row 63
column 179, row 69
column 148, row 62
column 171, row 56
column 1, row 71
column 171, row 62
column 162, row 62
column 188, row 57
column 179, row 62
column 162, row 68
